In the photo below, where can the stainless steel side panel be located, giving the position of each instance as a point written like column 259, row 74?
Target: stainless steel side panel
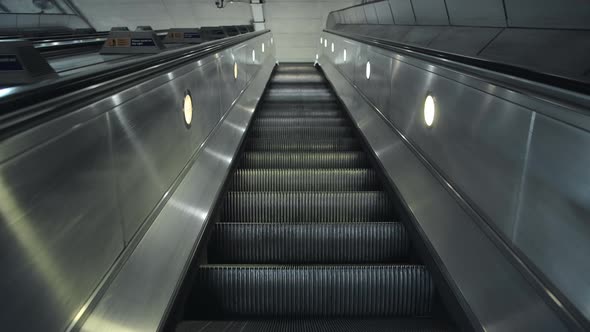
column 493, row 289
column 74, row 191
column 553, row 225
column 60, row 229
column 140, row 294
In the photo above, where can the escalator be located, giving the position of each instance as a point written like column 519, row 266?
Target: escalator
column 306, row 238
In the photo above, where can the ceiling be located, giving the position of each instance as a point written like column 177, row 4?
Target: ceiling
column 296, row 24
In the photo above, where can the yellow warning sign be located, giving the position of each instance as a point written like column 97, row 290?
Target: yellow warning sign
column 118, row 42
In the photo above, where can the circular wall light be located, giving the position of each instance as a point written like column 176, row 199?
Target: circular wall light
column 317, row 57
column 368, row 70
column 272, row 40
column 321, row 40
column 235, row 70
column 253, row 55
column 262, row 47
column 187, row 108
column 332, row 47
column 344, row 55
column 325, row 43
column 429, row 110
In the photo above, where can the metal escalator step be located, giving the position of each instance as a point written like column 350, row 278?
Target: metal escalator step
column 308, row 243
column 301, row 132
column 300, row 122
column 314, row 291
column 334, row 144
column 318, row 325
column 353, row 159
column 304, row 180
column 296, row 68
column 303, row 114
column 294, row 106
column 308, row 77
column 363, row 206
column 302, row 95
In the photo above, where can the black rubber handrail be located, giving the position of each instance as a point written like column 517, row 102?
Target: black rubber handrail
column 25, row 106
column 557, row 81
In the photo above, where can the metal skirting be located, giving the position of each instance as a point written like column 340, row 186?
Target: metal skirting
column 464, row 253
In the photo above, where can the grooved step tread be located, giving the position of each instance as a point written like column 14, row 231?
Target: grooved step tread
column 316, row 325
column 308, row 243
column 304, row 180
column 301, row 132
column 300, row 291
column 331, row 144
column 306, row 206
column 354, row 159
column 300, row 122
column 299, row 114
column 298, row 106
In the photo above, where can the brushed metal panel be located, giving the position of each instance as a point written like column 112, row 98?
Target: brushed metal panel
column 384, row 15
column 370, row 14
column 150, row 147
column 378, row 87
column 205, row 91
column 402, row 10
column 60, row 226
column 553, row 227
column 476, row 13
column 563, row 14
column 564, row 53
column 497, row 294
column 430, row 12
column 464, row 40
column 139, row 296
column 228, row 85
column 474, row 134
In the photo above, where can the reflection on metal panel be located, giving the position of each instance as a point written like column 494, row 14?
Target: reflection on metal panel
column 138, row 298
column 506, row 302
column 60, row 227
column 146, row 160
column 74, row 190
column 553, row 227
column 521, row 171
